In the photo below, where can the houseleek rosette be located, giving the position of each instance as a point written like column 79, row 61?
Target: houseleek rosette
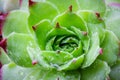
column 59, row 40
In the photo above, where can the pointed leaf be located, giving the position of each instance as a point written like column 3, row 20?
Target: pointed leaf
column 73, row 64
column 112, row 20
column 13, row 72
column 16, row 22
column 61, row 31
column 17, row 48
column 69, row 19
column 92, row 54
column 110, row 47
column 4, row 59
column 63, row 5
column 57, row 58
column 41, row 30
column 99, row 70
column 94, row 5
column 40, row 11
column 95, row 24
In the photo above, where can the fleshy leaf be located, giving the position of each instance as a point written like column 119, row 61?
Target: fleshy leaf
column 115, row 71
column 94, row 5
column 90, row 16
column 69, row 19
column 78, row 51
column 85, row 40
column 13, row 72
column 73, row 64
column 63, row 5
column 41, row 30
column 4, row 59
column 99, row 70
column 35, row 54
column 55, row 57
column 16, row 22
column 95, row 23
column 93, row 52
column 62, row 31
column 53, row 75
column 17, row 48
column 112, row 20
column 110, row 47
column 40, row 11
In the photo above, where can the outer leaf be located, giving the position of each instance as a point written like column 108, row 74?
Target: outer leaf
column 89, row 16
column 13, row 72
column 112, row 20
column 53, row 75
column 110, row 47
column 4, row 59
column 35, row 54
column 40, row 11
column 17, row 48
column 16, row 22
column 63, row 5
column 97, row 71
column 115, row 72
column 94, row 5
column 95, row 24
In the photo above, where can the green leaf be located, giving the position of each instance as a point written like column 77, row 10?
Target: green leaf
column 69, row 19
column 63, row 5
column 35, row 54
column 112, row 20
column 89, row 16
column 85, row 40
column 115, row 71
column 53, row 75
column 55, row 57
column 110, row 47
column 73, row 64
column 41, row 30
column 78, row 51
column 94, row 23
column 17, row 48
column 61, row 31
column 17, row 21
column 13, row 72
column 40, row 11
column 4, row 59
column 94, row 5
column 33, row 75
column 99, row 70
column 93, row 52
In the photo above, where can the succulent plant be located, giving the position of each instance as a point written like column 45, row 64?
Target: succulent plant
column 61, row 40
